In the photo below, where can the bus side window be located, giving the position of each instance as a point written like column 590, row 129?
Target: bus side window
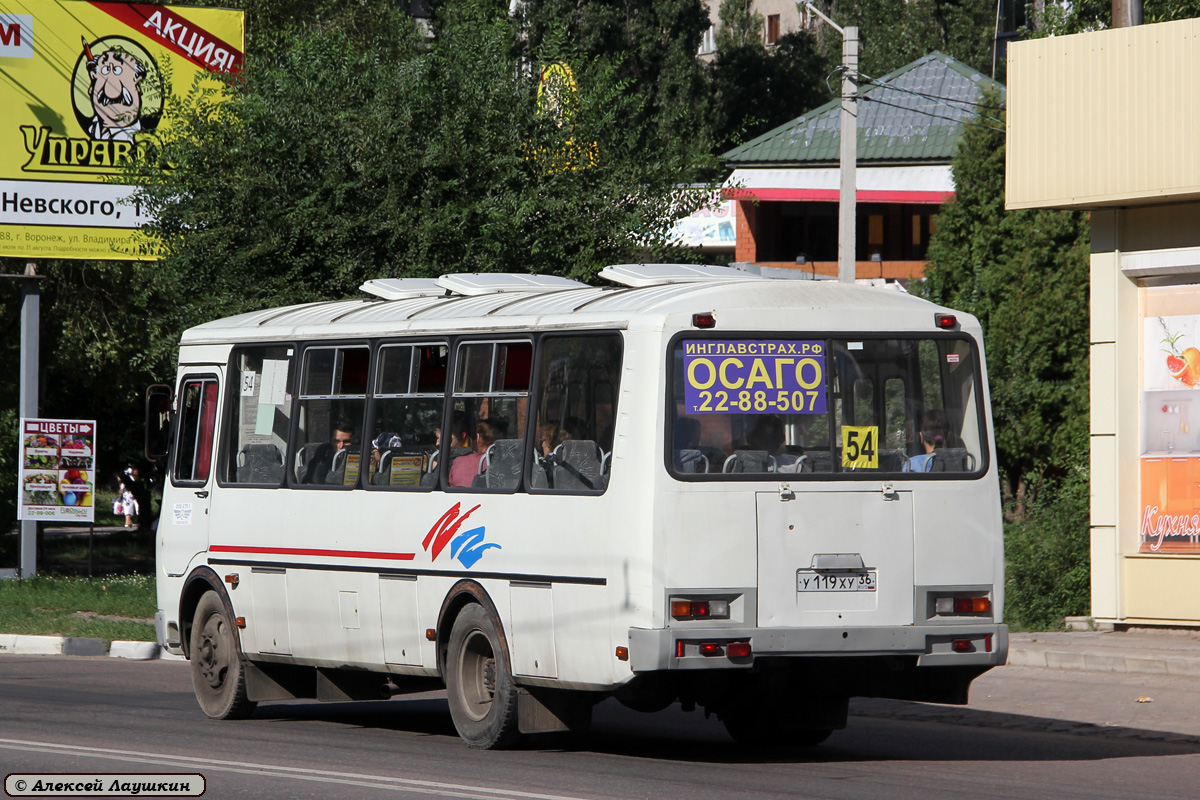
column 256, row 438
column 577, row 406
column 197, row 420
column 406, row 424
column 491, row 405
column 328, row 447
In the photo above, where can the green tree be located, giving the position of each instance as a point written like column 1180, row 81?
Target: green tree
column 896, row 32
column 1024, row 274
column 337, row 159
column 1047, row 555
column 755, row 89
column 652, row 46
column 739, row 26
column 1061, row 17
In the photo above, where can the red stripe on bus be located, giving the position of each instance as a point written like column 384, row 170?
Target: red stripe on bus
column 303, row 551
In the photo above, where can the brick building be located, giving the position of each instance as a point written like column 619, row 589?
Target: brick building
column 786, row 181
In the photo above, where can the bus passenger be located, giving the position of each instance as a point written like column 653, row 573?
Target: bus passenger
column 766, row 434
column 464, row 468
column 320, row 464
column 574, row 428
column 686, row 455
column 933, row 436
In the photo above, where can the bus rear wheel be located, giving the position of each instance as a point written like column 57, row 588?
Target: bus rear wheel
column 218, row 678
column 479, row 684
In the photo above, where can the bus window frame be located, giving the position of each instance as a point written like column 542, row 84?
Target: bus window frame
column 494, row 337
column 177, row 433
column 230, row 398
column 378, row 345
column 301, row 356
column 536, row 400
column 981, row 468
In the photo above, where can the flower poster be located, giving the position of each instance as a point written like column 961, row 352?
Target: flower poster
column 58, row 470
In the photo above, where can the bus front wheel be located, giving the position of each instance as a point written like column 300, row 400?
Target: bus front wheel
column 218, row 677
column 479, row 684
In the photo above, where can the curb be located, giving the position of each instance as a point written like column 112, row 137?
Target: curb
column 79, row 646
column 1083, row 659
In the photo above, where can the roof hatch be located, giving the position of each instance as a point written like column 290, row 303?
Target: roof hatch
column 473, row 284
column 641, row 275
column 403, row 288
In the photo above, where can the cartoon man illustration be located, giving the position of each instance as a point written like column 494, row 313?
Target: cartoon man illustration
column 116, row 77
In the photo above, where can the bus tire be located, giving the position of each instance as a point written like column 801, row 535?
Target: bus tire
column 218, row 677
column 479, row 683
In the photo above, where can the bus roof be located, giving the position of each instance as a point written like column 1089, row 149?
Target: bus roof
column 825, row 305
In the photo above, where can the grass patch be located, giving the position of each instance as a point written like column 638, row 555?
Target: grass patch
column 111, row 607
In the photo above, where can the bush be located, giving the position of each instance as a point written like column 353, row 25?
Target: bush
column 9, row 469
column 1048, row 572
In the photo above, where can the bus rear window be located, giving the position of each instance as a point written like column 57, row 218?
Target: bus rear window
column 850, row 406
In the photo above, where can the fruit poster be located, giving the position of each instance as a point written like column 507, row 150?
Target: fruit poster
column 1172, row 360
column 58, row 470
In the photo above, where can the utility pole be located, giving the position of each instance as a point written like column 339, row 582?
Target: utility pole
column 847, row 197
column 1126, row 13
column 848, row 151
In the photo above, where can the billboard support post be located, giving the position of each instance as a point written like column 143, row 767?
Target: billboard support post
column 31, row 296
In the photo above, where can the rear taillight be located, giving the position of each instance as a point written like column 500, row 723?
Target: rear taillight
column 699, row 609
column 738, row 650
column 962, row 604
column 733, row 650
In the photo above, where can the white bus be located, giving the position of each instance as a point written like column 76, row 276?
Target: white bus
column 693, row 485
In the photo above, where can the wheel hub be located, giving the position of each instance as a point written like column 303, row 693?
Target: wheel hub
column 489, row 680
column 210, row 660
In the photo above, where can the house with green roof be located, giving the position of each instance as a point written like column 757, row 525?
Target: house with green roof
column 786, row 181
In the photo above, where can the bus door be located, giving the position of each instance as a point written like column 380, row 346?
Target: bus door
column 835, row 558
column 183, row 524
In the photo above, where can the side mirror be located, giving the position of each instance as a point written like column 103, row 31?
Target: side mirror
column 158, row 422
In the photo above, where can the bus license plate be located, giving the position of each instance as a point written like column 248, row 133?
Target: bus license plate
column 809, row 580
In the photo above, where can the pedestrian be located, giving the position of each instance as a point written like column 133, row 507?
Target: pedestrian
column 127, row 503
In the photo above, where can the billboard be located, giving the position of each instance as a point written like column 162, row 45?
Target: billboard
column 58, row 470
column 711, row 227
column 85, row 86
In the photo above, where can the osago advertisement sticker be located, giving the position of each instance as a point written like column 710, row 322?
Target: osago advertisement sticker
column 754, row 377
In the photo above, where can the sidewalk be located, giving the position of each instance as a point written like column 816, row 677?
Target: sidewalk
column 1143, row 650
column 29, row 645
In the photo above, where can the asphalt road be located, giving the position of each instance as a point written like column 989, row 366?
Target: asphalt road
column 1027, row 733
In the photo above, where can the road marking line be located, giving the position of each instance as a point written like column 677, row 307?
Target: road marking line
column 298, row 773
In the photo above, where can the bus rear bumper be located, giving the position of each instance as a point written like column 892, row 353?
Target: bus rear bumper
column 653, row 649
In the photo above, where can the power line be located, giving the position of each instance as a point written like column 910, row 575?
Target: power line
column 936, row 98
column 960, row 121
